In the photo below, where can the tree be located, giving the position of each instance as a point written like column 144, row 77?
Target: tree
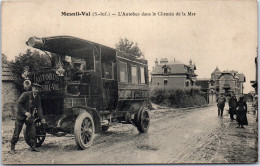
column 34, row 60
column 4, row 58
column 129, row 47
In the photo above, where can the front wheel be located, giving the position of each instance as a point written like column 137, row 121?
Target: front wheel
column 84, row 130
column 142, row 120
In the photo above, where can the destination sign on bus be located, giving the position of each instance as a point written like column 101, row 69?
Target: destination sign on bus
column 49, row 80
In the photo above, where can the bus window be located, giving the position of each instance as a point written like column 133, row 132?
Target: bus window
column 78, row 64
column 77, row 72
column 107, row 70
column 134, row 75
column 142, row 75
column 123, row 72
column 86, row 62
column 89, row 60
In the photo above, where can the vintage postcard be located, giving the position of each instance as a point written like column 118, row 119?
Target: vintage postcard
column 129, row 82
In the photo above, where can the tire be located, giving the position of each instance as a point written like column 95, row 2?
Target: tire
column 142, row 120
column 105, row 128
column 84, row 130
column 40, row 134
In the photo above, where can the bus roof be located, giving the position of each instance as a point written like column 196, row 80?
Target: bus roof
column 72, row 46
column 62, row 45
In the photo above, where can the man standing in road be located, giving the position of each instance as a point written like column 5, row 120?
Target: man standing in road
column 232, row 106
column 26, row 105
column 221, row 104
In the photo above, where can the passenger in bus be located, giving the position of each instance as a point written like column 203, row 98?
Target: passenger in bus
column 77, row 73
column 69, row 70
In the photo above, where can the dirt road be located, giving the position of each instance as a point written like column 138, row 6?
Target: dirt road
column 175, row 136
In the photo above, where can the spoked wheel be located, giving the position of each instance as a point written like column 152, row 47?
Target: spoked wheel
column 40, row 133
column 142, row 120
column 84, row 130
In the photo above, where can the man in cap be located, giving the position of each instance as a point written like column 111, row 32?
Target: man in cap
column 221, row 104
column 26, row 105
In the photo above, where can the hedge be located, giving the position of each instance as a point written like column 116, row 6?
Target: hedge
column 178, row 98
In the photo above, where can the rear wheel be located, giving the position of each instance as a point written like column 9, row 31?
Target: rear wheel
column 84, row 130
column 142, row 120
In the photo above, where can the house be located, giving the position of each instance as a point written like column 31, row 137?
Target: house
column 173, row 74
column 10, row 94
column 228, row 81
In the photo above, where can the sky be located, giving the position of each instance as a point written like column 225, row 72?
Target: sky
column 222, row 33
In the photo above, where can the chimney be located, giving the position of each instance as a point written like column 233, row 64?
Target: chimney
column 190, row 62
column 163, row 61
column 156, row 61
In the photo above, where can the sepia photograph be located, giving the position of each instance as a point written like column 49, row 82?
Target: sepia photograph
column 129, row 82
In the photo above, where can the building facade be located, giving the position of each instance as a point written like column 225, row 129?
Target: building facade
column 227, row 82
column 10, row 94
column 173, row 74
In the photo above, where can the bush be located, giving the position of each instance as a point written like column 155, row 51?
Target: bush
column 178, row 98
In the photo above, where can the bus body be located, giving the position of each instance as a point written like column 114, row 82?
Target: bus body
column 89, row 86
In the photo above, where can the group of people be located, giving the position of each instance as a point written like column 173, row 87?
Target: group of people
column 236, row 107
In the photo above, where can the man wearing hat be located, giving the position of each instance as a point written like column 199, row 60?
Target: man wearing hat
column 26, row 104
column 221, row 104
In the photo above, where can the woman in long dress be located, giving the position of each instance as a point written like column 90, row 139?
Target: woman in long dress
column 241, row 112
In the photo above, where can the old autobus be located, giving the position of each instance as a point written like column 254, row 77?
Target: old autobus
column 88, row 87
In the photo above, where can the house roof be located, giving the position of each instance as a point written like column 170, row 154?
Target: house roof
column 176, row 68
column 216, row 70
column 192, row 67
column 242, row 77
column 174, row 62
column 203, row 79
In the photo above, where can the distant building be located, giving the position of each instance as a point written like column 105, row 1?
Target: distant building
column 203, row 83
column 173, row 74
column 207, row 86
column 228, row 81
column 9, row 92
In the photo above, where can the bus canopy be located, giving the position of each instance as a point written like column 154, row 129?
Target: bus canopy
column 64, row 45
